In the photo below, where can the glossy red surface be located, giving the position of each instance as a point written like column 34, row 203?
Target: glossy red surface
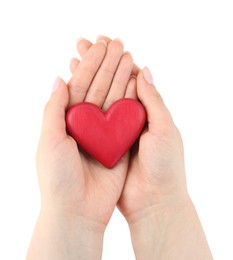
column 106, row 136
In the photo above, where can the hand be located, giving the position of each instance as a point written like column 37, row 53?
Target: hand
column 83, row 45
column 159, row 154
column 78, row 194
column 155, row 201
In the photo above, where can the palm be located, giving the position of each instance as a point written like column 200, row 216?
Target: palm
column 103, row 186
column 104, row 73
column 133, row 196
column 156, row 149
column 87, row 180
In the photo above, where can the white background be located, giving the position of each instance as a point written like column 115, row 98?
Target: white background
column 188, row 45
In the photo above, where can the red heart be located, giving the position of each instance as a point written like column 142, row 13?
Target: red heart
column 106, row 136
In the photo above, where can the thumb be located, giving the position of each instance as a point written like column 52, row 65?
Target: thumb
column 158, row 115
column 54, row 114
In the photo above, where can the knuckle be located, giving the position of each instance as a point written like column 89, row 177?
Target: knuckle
column 88, row 69
column 97, row 96
column 106, row 71
column 99, row 92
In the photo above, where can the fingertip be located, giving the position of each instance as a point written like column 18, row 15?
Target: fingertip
column 128, row 54
column 54, row 111
column 59, row 91
column 145, row 82
column 131, row 91
column 79, row 40
column 74, row 64
column 56, row 84
column 145, row 91
column 102, row 37
column 116, row 45
column 103, row 42
column 118, row 39
column 135, row 70
column 148, row 75
column 83, row 46
column 157, row 112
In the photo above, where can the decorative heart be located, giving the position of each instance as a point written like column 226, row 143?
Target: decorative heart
column 106, row 136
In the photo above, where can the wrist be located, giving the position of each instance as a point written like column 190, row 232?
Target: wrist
column 59, row 235
column 170, row 230
column 157, row 216
column 80, row 227
column 72, row 219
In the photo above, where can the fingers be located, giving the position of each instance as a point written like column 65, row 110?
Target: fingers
column 157, row 113
column 54, row 114
column 85, row 72
column 102, row 82
column 120, row 81
column 74, row 64
column 135, row 69
column 102, row 37
column 107, row 83
column 83, row 45
column 131, row 90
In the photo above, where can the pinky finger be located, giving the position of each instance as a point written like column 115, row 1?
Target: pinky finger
column 74, row 64
column 135, row 70
column 83, row 46
column 131, row 90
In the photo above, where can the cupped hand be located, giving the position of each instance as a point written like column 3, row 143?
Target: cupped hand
column 156, row 169
column 69, row 178
column 162, row 219
column 156, row 174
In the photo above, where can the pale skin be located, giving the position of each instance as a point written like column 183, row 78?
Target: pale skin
column 78, row 194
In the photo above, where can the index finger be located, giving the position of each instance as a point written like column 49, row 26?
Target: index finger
column 83, row 75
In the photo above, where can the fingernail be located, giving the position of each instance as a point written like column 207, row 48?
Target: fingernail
column 80, row 39
column 127, row 52
column 56, row 84
column 147, row 75
column 72, row 60
column 99, row 37
column 118, row 39
column 103, row 41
